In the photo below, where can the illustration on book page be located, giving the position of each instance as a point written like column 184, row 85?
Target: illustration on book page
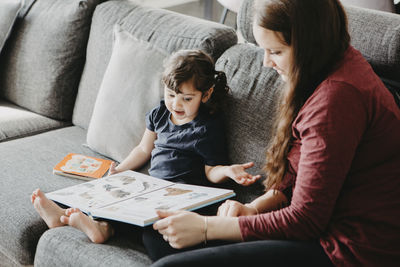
column 175, row 197
column 107, row 190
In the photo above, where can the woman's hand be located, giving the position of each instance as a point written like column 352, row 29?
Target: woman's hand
column 232, row 208
column 237, row 172
column 181, row 228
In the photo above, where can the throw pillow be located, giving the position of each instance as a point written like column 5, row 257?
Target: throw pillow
column 130, row 88
column 9, row 10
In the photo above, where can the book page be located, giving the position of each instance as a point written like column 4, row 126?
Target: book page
column 141, row 209
column 108, row 190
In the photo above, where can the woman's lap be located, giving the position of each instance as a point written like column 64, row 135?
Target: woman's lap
column 255, row 253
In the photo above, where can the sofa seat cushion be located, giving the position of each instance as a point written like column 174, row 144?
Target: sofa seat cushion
column 16, row 122
column 67, row 246
column 165, row 29
column 28, row 165
column 251, row 107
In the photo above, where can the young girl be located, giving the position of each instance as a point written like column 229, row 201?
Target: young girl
column 185, row 136
column 184, row 139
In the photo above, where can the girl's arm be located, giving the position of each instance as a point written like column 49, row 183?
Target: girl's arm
column 218, row 174
column 139, row 155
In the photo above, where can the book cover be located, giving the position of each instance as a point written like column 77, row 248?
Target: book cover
column 82, row 167
column 133, row 197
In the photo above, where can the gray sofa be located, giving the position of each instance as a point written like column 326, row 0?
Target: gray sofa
column 51, row 70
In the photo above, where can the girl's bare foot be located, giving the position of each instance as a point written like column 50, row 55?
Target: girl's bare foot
column 47, row 209
column 97, row 231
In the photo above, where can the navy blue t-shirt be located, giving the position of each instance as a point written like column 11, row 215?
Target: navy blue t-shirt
column 181, row 151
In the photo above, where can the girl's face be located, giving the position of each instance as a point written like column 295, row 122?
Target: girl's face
column 277, row 54
column 184, row 106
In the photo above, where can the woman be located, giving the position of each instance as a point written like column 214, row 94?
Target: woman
column 335, row 154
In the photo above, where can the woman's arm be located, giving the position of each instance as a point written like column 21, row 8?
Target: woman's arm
column 183, row 228
column 139, row 155
column 219, row 174
column 329, row 129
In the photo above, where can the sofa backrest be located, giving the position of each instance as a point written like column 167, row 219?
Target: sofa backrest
column 251, row 106
column 42, row 62
column 165, row 29
column 376, row 34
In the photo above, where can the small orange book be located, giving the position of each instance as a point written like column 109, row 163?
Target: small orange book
column 82, row 167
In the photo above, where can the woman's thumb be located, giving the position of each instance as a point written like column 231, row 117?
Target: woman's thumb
column 164, row 213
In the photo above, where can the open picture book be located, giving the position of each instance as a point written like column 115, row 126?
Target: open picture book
column 133, row 197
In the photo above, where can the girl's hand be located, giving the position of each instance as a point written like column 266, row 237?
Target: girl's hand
column 232, row 208
column 181, row 228
column 237, row 173
column 113, row 169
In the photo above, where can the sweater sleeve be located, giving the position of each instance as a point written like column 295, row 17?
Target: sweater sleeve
column 329, row 126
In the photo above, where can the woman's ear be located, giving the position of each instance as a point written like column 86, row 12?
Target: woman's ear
column 207, row 95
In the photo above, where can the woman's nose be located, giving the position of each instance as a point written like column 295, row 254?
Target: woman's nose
column 267, row 62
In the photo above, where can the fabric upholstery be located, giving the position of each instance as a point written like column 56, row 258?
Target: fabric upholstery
column 384, row 5
column 245, row 21
column 16, row 122
column 9, row 10
column 67, row 246
column 165, row 29
column 132, row 76
column 43, row 60
column 375, row 34
column 24, row 171
column 251, row 107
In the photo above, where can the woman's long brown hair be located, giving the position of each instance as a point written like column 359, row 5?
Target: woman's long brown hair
column 317, row 32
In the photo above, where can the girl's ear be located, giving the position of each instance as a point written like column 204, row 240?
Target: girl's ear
column 207, row 95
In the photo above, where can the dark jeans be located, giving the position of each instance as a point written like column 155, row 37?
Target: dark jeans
column 246, row 254
column 255, row 253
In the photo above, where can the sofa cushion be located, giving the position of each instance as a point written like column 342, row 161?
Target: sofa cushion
column 9, row 10
column 131, row 87
column 44, row 57
column 250, row 109
column 375, row 34
column 165, row 29
column 67, row 246
column 16, row 122
column 28, row 166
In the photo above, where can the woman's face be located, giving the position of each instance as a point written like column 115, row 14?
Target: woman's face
column 277, row 54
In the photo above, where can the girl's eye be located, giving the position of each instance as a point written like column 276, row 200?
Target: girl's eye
column 275, row 53
column 187, row 99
